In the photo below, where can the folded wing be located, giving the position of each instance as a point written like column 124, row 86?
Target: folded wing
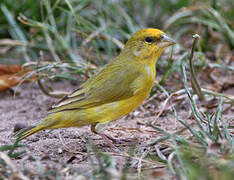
column 105, row 87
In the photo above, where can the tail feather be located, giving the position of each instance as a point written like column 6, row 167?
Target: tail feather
column 23, row 133
column 51, row 122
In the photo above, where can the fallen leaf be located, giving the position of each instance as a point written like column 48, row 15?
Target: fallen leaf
column 11, row 75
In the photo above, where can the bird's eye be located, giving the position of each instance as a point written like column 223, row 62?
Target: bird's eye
column 148, row 40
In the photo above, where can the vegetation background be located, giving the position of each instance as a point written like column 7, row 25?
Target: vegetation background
column 67, row 41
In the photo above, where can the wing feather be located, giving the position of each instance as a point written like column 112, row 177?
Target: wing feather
column 105, row 87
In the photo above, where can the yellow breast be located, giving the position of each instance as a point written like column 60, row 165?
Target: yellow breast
column 114, row 110
column 142, row 85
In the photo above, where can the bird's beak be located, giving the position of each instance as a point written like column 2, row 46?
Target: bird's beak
column 166, row 41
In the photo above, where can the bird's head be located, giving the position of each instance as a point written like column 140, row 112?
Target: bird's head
column 148, row 43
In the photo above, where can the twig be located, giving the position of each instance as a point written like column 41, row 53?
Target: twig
column 116, row 41
column 51, row 94
column 93, row 35
column 97, row 32
column 164, row 106
column 195, row 85
column 149, row 99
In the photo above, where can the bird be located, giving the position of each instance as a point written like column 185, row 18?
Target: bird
column 118, row 89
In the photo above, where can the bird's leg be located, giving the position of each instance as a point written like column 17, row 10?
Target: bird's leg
column 109, row 140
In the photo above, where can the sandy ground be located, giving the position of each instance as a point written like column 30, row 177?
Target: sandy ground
column 30, row 105
column 69, row 146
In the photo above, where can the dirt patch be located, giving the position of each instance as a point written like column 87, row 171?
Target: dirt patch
column 69, row 146
column 51, row 147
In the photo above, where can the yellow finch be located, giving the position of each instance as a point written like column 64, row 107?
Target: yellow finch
column 119, row 88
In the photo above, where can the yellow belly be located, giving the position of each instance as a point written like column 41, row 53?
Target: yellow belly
column 101, row 114
column 115, row 110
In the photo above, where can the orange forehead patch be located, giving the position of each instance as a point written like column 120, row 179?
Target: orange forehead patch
column 148, row 32
column 153, row 31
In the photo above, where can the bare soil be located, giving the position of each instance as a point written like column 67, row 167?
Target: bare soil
column 55, row 148
column 30, row 105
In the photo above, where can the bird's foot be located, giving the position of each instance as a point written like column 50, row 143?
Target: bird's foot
column 109, row 140
column 112, row 142
column 120, row 141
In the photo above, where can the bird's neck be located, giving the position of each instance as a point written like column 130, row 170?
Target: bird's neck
column 141, row 57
